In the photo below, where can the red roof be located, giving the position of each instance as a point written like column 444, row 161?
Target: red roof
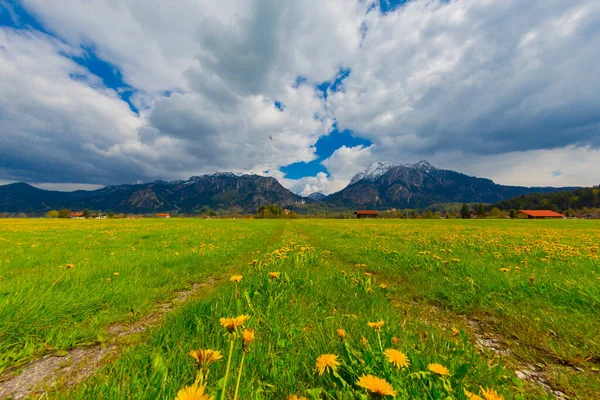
column 366, row 212
column 541, row 213
column 162, row 215
column 76, row 214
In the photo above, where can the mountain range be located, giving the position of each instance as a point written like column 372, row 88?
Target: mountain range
column 381, row 186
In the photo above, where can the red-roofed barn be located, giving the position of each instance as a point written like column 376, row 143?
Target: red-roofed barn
column 366, row 213
column 541, row 214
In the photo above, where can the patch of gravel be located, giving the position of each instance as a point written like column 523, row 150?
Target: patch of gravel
column 80, row 363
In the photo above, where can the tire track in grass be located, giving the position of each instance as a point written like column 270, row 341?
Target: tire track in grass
column 69, row 368
column 481, row 333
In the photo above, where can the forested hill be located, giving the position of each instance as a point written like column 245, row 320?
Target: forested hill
column 561, row 201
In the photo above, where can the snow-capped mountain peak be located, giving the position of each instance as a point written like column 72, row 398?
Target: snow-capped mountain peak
column 372, row 172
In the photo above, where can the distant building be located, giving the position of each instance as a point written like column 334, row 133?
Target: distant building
column 286, row 211
column 76, row 215
column 366, row 214
column 163, row 216
column 540, row 214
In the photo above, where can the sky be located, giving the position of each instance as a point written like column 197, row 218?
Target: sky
column 102, row 92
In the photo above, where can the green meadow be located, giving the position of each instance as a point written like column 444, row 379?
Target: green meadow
column 333, row 309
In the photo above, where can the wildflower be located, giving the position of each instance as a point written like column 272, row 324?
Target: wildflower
column 294, row 397
column 232, row 323
column 472, row 396
column 369, row 290
column 369, row 274
column 326, row 361
column 376, row 325
column 274, row 275
column 397, row 358
column 205, row 357
column 69, row 266
column 491, row 394
column 193, row 392
column 456, row 259
column 1, row 277
column 395, row 340
column 115, row 274
column 455, row 331
column 247, row 336
column 341, row 333
column 438, row 369
column 383, row 286
column 376, row 386
column 236, row 278
column 363, row 340
column 531, row 278
column 505, row 269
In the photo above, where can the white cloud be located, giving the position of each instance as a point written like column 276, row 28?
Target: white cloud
column 485, row 87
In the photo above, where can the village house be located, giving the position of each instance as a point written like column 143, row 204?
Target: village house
column 163, row 216
column 366, row 214
column 540, row 214
column 76, row 215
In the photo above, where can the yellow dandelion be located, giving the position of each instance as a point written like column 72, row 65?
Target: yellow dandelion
column 491, row 394
column 369, row 274
column 294, row 397
column 327, row 361
column 369, row 290
column 438, row 369
column 397, row 358
column 205, row 357
column 341, row 333
column 376, row 386
column 376, row 325
column 455, row 331
column 505, row 269
column 274, row 275
column 383, row 286
column 395, row 340
column 236, row 278
column 1, row 277
column 232, row 323
column 472, row 396
column 363, row 340
column 70, row 266
column 115, row 274
column 193, row 392
column 247, row 336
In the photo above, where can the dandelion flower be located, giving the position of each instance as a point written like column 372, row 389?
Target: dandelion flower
column 232, row 323
column 341, row 333
column 247, row 336
column 397, row 358
column 236, row 278
column 205, row 357
column 115, row 274
column 395, row 340
column 505, row 269
column 69, row 266
column 383, row 286
column 491, row 394
column 193, row 392
column 376, row 386
column 376, row 325
column 438, row 369
column 1, row 277
column 274, row 275
column 455, row 331
column 326, row 361
column 472, row 396
column 369, row 274
column 294, row 397
column 363, row 340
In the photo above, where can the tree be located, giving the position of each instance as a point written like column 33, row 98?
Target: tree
column 111, row 215
column 481, row 210
column 465, row 212
column 496, row 213
column 513, row 213
column 21, row 215
column 64, row 213
column 86, row 213
column 52, row 214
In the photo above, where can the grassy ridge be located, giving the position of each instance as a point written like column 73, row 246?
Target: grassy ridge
column 65, row 281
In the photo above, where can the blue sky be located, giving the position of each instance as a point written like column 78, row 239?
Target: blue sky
column 102, row 93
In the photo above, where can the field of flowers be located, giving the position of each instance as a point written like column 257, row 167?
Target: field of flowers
column 311, row 309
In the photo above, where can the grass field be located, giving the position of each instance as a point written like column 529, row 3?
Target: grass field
column 502, row 306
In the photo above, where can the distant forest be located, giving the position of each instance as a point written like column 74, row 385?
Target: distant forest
column 569, row 200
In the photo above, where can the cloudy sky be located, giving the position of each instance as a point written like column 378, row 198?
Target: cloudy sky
column 98, row 92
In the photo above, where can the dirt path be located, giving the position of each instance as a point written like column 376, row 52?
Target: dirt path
column 68, row 369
